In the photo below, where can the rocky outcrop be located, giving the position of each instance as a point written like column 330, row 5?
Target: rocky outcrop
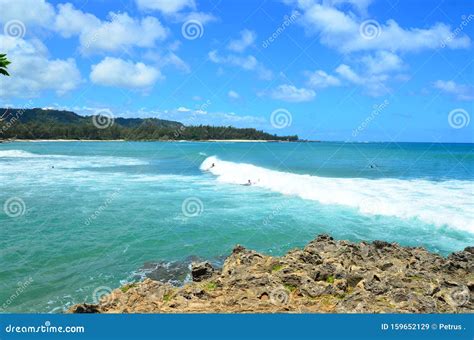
column 327, row 276
column 201, row 271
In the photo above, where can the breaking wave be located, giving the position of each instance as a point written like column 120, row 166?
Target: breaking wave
column 439, row 203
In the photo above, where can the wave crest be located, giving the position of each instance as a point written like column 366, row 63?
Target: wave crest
column 438, row 203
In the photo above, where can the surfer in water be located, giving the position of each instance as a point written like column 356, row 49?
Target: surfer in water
column 249, row 183
column 213, row 165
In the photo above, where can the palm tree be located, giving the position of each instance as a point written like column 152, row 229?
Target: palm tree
column 3, row 64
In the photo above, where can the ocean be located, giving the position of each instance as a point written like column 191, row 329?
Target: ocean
column 78, row 218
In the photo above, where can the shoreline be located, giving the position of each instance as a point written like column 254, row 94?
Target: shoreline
column 326, row 276
column 166, row 141
column 61, row 140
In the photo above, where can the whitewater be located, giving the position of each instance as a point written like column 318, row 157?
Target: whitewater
column 441, row 203
column 78, row 216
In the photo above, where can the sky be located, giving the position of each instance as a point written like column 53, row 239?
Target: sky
column 339, row 70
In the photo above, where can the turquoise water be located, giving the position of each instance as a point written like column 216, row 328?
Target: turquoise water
column 78, row 217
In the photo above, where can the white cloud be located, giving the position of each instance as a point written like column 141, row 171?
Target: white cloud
column 383, row 61
column 177, row 10
column 341, row 31
column 342, row 26
column 247, row 38
column 183, row 109
column 121, row 73
column 70, row 21
column 166, row 7
column 219, row 119
column 201, row 17
column 177, row 62
column 169, row 59
column 120, row 32
column 373, row 83
column 320, row 79
column 249, row 63
column 233, row 95
column 32, row 72
column 373, row 78
column 360, row 5
column 199, row 116
column 460, row 91
column 346, row 72
column 290, row 93
column 30, row 12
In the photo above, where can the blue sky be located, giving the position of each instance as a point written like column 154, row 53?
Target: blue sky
column 361, row 70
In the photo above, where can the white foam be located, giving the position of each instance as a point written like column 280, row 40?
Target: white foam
column 67, row 161
column 439, row 203
column 17, row 154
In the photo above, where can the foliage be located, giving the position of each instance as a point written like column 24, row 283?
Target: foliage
column 277, row 267
column 4, row 64
column 54, row 124
column 210, row 286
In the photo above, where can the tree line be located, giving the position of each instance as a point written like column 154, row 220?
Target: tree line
column 53, row 124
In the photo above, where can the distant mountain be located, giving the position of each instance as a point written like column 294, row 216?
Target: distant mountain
column 56, row 124
column 38, row 115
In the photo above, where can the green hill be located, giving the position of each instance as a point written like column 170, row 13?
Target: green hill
column 40, row 123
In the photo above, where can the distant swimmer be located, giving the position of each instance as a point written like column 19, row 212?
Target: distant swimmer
column 248, row 183
column 373, row 166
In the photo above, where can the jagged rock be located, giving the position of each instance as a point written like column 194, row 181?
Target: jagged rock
column 85, row 308
column 381, row 244
column 201, row 271
column 326, row 276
